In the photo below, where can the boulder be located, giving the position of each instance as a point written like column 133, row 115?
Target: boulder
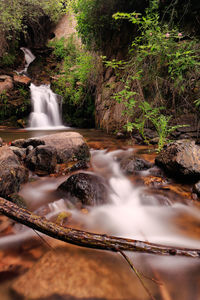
column 132, row 164
column 69, row 145
column 89, row 189
column 6, row 83
column 42, row 160
column 12, row 173
column 181, row 159
column 1, row 142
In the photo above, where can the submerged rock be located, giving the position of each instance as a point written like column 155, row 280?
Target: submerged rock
column 132, row 164
column 86, row 188
column 12, row 172
column 74, row 273
column 42, row 160
column 181, row 159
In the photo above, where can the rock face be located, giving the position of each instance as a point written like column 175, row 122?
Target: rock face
column 132, row 164
column 181, row 159
column 6, row 83
column 86, row 188
column 42, row 160
column 69, row 145
column 12, row 173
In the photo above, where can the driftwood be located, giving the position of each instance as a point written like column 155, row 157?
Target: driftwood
column 87, row 239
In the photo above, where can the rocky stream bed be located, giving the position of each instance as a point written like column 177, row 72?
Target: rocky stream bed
column 105, row 185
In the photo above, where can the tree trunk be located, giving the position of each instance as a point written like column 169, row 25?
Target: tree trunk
column 87, row 239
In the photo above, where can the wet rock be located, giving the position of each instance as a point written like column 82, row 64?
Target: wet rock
column 86, row 188
column 6, row 83
column 196, row 188
column 12, row 173
column 21, row 79
column 1, row 142
column 132, row 164
column 42, row 160
column 20, row 152
column 181, row 159
column 79, row 165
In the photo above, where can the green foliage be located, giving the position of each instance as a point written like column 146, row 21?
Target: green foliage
column 157, row 54
column 161, row 47
column 17, row 15
column 72, row 83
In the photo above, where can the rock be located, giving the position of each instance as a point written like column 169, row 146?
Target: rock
column 132, row 164
column 29, row 149
column 196, row 188
column 1, row 142
column 12, row 173
column 23, row 79
column 87, row 188
column 82, row 164
column 18, row 143
column 6, row 83
column 181, row 159
column 69, row 145
column 20, row 152
column 42, row 160
column 21, row 123
column 74, row 273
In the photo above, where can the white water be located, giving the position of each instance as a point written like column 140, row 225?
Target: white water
column 127, row 214
column 45, row 109
column 130, row 214
column 29, row 58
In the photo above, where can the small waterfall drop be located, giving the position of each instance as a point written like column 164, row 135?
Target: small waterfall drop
column 46, row 111
column 29, row 58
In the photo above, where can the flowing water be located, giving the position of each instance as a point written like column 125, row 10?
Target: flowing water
column 46, row 112
column 29, row 58
column 132, row 210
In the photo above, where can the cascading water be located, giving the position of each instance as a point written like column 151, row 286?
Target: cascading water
column 29, row 58
column 46, row 111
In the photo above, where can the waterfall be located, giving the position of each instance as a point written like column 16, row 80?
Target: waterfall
column 29, row 58
column 46, row 110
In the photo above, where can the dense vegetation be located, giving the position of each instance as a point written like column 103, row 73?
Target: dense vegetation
column 75, row 81
column 22, row 19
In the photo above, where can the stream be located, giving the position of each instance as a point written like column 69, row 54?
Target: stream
column 164, row 215
column 145, row 206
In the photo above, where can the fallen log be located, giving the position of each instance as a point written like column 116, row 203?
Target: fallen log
column 87, row 239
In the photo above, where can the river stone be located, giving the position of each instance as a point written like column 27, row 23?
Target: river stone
column 42, row 160
column 181, row 159
column 12, row 173
column 89, row 189
column 132, row 164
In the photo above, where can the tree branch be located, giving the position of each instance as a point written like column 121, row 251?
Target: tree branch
column 87, row 239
